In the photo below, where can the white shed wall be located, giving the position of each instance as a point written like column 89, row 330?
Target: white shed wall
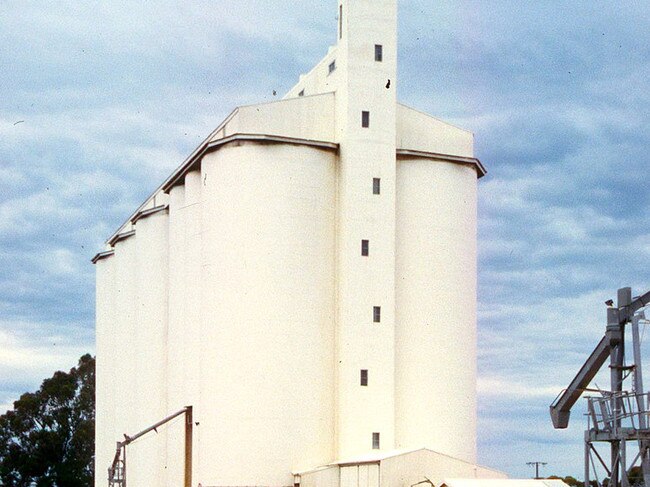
column 408, row 469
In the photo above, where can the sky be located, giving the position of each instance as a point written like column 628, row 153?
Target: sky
column 100, row 101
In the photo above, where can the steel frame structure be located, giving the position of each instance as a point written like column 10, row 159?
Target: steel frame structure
column 617, row 417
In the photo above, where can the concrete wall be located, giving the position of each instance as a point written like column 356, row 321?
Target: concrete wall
column 422, row 132
column 435, row 355
column 308, row 117
column 366, row 282
column 319, row 79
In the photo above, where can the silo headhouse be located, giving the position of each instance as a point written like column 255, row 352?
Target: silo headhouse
column 306, row 281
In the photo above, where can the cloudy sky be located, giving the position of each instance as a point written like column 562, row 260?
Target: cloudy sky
column 99, row 101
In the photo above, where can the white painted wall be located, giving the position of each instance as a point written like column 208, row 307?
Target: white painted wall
column 308, row 117
column 405, row 470
column 365, row 282
column 395, row 469
column 422, row 132
column 435, row 355
column 319, row 79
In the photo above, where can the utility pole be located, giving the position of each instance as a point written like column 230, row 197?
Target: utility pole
column 537, row 464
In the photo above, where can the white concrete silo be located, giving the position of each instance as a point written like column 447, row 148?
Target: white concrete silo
column 435, row 345
column 105, row 364
column 150, row 346
column 124, row 326
column 268, row 310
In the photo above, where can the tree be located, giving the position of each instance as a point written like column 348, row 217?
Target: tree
column 47, row 440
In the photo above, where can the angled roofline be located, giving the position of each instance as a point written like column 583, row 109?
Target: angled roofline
column 145, row 213
column 175, row 178
column 120, row 236
column 102, row 255
column 435, row 118
column 471, row 161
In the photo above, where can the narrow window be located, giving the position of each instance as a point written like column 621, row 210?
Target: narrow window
column 379, row 53
column 376, row 185
column 376, row 314
column 332, row 66
column 302, row 93
column 375, row 441
column 365, row 119
column 340, row 21
column 365, row 244
column 364, row 377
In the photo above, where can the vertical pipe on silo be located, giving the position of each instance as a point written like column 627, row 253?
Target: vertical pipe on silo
column 176, row 337
column 145, row 462
column 105, row 362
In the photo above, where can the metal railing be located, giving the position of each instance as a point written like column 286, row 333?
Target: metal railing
column 613, row 411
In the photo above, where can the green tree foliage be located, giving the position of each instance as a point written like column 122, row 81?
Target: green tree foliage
column 47, row 440
column 635, row 477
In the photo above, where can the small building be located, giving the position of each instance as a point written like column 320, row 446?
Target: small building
column 306, row 281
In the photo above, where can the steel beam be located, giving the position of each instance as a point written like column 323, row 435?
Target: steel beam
column 561, row 408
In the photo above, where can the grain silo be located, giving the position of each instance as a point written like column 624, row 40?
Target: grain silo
column 306, row 281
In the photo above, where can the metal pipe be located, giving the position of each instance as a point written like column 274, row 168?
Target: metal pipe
column 130, row 439
column 587, row 466
column 120, row 449
column 638, row 373
column 188, row 446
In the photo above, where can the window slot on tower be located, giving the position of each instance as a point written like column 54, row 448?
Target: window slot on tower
column 375, row 441
column 376, row 185
column 376, row 314
column 364, row 377
column 302, row 93
column 379, row 53
column 365, row 119
column 365, row 245
column 341, row 21
column 332, row 67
